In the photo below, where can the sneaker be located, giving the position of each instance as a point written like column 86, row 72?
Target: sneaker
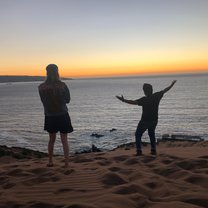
column 139, row 153
column 153, row 152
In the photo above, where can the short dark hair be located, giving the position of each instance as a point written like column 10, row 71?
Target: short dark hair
column 147, row 89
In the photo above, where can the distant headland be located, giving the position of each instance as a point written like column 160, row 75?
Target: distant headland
column 6, row 79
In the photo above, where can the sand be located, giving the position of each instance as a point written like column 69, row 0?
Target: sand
column 176, row 178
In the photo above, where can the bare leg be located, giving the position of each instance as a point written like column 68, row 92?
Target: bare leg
column 52, row 139
column 65, row 148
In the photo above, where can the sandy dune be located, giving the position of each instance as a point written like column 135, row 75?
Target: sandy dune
column 176, row 178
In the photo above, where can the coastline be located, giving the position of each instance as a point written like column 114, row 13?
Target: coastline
column 15, row 78
column 176, row 177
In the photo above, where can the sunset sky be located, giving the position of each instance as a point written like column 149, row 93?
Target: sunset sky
column 88, row 38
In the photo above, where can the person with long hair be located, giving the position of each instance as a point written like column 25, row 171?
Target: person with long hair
column 54, row 95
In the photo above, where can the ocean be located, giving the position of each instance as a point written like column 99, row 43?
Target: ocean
column 95, row 110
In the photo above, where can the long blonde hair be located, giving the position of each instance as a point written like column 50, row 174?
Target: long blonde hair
column 52, row 74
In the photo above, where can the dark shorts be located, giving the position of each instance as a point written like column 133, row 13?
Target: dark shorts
column 62, row 124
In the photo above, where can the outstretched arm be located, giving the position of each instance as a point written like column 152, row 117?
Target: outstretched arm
column 133, row 102
column 169, row 87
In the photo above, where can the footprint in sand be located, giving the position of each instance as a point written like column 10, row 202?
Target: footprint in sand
column 133, row 161
column 37, row 204
column 104, row 163
column 5, row 183
column 18, row 173
column 148, row 159
column 198, row 179
column 204, row 157
column 63, row 190
column 120, row 158
column 68, row 172
column 81, row 159
column 197, row 199
column 39, row 171
column 166, row 161
column 114, row 169
column 194, row 164
column 8, row 185
column 80, row 206
column 167, row 171
column 99, row 158
column 41, row 179
column 121, row 171
column 126, row 189
column 3, row 179
column 35, row 180
column 113, row 179
column 153, row 185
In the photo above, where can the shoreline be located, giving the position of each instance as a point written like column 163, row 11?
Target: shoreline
column 27, row 153
column 25, row 78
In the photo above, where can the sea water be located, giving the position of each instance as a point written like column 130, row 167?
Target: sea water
column 95, row 110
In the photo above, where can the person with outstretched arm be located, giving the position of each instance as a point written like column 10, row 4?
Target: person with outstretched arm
column 150, row 105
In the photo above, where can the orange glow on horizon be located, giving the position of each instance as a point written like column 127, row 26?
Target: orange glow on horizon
column 112, row 64
column 110, row 72
column 114, row 71
column 116, row 67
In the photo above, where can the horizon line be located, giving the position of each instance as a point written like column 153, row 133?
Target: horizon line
column 120, row 76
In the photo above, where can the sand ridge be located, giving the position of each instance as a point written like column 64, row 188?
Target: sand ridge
column 176, row 177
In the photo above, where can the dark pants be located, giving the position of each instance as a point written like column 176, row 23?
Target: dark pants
column 141, row 128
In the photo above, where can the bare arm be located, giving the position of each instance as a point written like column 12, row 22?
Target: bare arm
column 169, row 87
column 132, row 102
